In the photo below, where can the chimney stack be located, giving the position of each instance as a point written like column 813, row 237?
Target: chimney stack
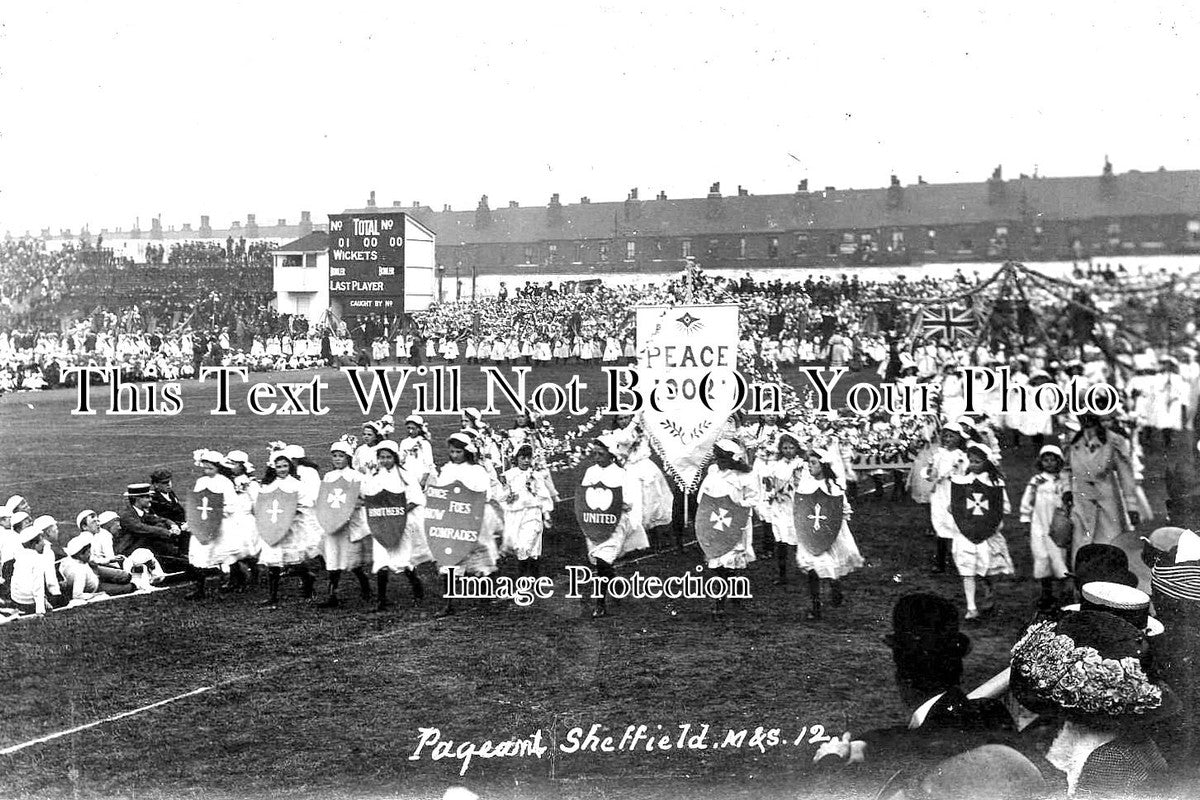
column 282, row 222
column 306, row 225
column 371, row 201
column 483, row 213
column 416, row 204
column 895, row 193
column 512, row 204
column 743, row 192
column 445, row 207
column 995, row 188
column 632, row 206
column 802, row 186
column 251, row 226
column 554, row 211
column 583, row 201
column 397, row 203
column 714, row 191
column 662, row 196
column 205, row 227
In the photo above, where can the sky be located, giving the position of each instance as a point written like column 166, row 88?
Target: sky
column 116, row 112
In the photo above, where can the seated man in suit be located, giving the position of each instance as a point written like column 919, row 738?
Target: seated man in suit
column 141, row 528
column 163, row 502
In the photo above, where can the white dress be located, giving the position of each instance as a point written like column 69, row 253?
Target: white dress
column 413, row 548
column 658, row 504
column 526, row 501
column 482, row 559
column 347, row 547
column 946, row 465
column 239, row 536
column 779, row 487
column 303, row 540
column 1042, row 496
column 842, row 557
column 416, row 457
column 742, row 488
column 989, row 557
column 629, row 534
column 206, row 556
column 364, row 459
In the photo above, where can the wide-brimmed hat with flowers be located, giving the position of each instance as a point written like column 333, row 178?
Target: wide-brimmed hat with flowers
column 1087, row 667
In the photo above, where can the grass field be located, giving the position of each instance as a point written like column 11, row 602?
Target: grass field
column 304, row 702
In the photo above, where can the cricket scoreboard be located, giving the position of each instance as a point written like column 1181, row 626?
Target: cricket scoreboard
column 366, row 262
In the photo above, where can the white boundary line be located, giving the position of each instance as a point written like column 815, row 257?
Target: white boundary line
column 42, row 740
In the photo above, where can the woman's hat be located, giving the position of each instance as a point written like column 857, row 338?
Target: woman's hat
column 78, row 543
column 1087, row 666
column 991, row 771
column 240, row 457
column 137, row 490
column 341, row 447
column 1126, row 602
column 1051, row 449
column 953, row 427
column 211, row 456
column 461, row 439
column 107, row 517
column 415, row 419
column 390, row 446
column 82, row 517
column 294, row 452
column 608, row 442
column 14, row 501
column 524, row 450
column 374, row 425
column 983, row 450
column 731, row 447
column 278, row 454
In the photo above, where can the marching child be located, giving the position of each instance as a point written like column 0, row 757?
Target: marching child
column 990, row 556
column 842, row 557
column 1046, row 492
column 346, row 548
column 949, row 461
column 527, row 506
column 462, row 467
column 412, row 549
column 731, row 477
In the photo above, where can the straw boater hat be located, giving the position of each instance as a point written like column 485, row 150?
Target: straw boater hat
column 1087, row 667
column 1126, row 602
column 137, row 490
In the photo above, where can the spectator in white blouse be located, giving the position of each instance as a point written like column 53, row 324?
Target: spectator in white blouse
column 34, row 581
column 81, row 579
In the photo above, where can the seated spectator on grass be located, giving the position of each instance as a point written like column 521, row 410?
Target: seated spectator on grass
column 81, row 580
column 34, row 581
column 163, row 502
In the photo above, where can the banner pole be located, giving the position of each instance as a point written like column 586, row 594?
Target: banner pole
column 685, row 508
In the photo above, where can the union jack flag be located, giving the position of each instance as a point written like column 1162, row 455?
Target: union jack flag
column 949, row 322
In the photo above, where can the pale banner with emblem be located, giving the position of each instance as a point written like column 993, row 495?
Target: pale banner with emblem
column 677, row 346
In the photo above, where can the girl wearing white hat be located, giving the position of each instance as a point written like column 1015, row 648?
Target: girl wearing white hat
column 413, row 549
column 989, row 557
column 1043, row 497
column 302, row 542
column 364, row 454
column 204, row 557
column 731, row 477
column 949, row 462
column 416, row 453
column 462, row 467
column 842, row 557
column 240, row 544
column 527, row 505
column 606, row 472
column 348, row 547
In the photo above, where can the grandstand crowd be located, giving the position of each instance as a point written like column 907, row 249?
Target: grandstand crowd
column 1100, row 696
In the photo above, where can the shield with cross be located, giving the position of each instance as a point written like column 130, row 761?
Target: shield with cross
column 336, row 503
column 720, row 524
column 205, row 509
column 273, row 513
column 387, row 514
column 818, row 519
column 977, row 508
